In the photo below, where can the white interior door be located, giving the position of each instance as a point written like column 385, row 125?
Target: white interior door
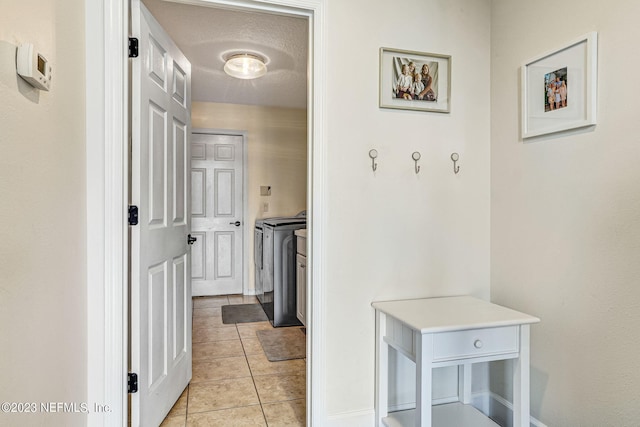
column 160, row 260
column 217, row 209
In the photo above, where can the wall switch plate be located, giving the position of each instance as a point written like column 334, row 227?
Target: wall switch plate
column 265, row 207
column 265, row 190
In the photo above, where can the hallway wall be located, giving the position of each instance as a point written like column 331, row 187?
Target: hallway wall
column 43, row 296
column 395, row 234
column 565, row 224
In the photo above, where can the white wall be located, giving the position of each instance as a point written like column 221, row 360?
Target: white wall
column 43, row 301
column 564, row 209
column 277, row 145
column 393, row 234
column 565, row 222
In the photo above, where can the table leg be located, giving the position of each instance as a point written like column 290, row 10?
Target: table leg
column 424, row 372
column 382, row 369
column 464, row 383
column 521, row 410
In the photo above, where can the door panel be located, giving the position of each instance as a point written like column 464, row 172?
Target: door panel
column 224, row 254
column 198, row 264
column 160, row 305
column 217, row 206
column 157, row 149
column 181, row 299
column 157, row 324
column 224, row 192
column 180, row 140
column 198, row 192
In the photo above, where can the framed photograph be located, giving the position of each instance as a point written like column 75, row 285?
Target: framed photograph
column 415, row 80
column 559, row 88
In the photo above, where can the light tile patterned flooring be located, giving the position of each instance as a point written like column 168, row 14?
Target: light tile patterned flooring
column 233, row 383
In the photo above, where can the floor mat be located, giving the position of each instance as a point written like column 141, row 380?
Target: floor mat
column 243, row 313
column 283, row 343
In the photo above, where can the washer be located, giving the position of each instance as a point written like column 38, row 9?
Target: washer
column 276, row 280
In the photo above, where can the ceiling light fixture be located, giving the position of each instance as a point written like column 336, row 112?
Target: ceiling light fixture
column 245, row 66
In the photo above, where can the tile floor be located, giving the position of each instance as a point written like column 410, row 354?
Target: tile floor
column 233, row 383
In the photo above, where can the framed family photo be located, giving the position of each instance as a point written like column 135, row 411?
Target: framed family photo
column 559, row 88
column 412, row 80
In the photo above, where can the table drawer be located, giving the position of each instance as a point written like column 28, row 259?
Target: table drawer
column 475, row 343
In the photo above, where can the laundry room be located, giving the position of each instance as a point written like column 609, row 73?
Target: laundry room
column 270, row 112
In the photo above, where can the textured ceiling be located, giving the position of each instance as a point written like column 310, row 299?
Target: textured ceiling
column 207, row 34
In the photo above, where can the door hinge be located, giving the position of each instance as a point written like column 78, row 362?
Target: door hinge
column 133, row 47
column 133, row 215
column 132, row 382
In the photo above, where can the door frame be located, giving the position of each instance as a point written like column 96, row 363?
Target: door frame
column 107, row 183
column 246, row 233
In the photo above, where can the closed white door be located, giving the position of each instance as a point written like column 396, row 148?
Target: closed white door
column 160, row 182
column 217, row 211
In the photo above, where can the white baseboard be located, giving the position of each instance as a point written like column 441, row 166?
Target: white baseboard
column 365, row 418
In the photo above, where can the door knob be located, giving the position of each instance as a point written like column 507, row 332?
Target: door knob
column 237, row 223
column 191, row 240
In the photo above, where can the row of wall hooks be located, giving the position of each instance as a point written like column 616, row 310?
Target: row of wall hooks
column 373, row 154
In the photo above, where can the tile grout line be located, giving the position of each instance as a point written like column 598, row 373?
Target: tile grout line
column 186, row 410
column 246, row 358
column 256, row 387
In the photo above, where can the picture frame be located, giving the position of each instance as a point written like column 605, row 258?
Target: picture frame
column 432, row 93
column 559, row 88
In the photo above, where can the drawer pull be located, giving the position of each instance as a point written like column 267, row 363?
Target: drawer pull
column 477, row 344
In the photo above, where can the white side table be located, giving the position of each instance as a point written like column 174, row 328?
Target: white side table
column 436, row 332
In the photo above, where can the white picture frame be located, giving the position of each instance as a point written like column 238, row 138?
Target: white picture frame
column 559, row 88
column 435, row 98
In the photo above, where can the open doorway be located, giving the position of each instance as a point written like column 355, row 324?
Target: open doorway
column 106, row 128
column 272, row 115
column 271, row 112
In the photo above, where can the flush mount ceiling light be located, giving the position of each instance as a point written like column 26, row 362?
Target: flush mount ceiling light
column 245, row 66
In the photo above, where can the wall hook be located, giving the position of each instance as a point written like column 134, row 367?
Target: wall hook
column 373, row 153
column 455, row 157
column 416, row 156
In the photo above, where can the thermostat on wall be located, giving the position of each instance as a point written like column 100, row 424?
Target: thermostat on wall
column 33, row 67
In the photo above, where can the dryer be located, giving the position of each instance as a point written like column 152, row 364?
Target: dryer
column 258, row 257
column 276, row 280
